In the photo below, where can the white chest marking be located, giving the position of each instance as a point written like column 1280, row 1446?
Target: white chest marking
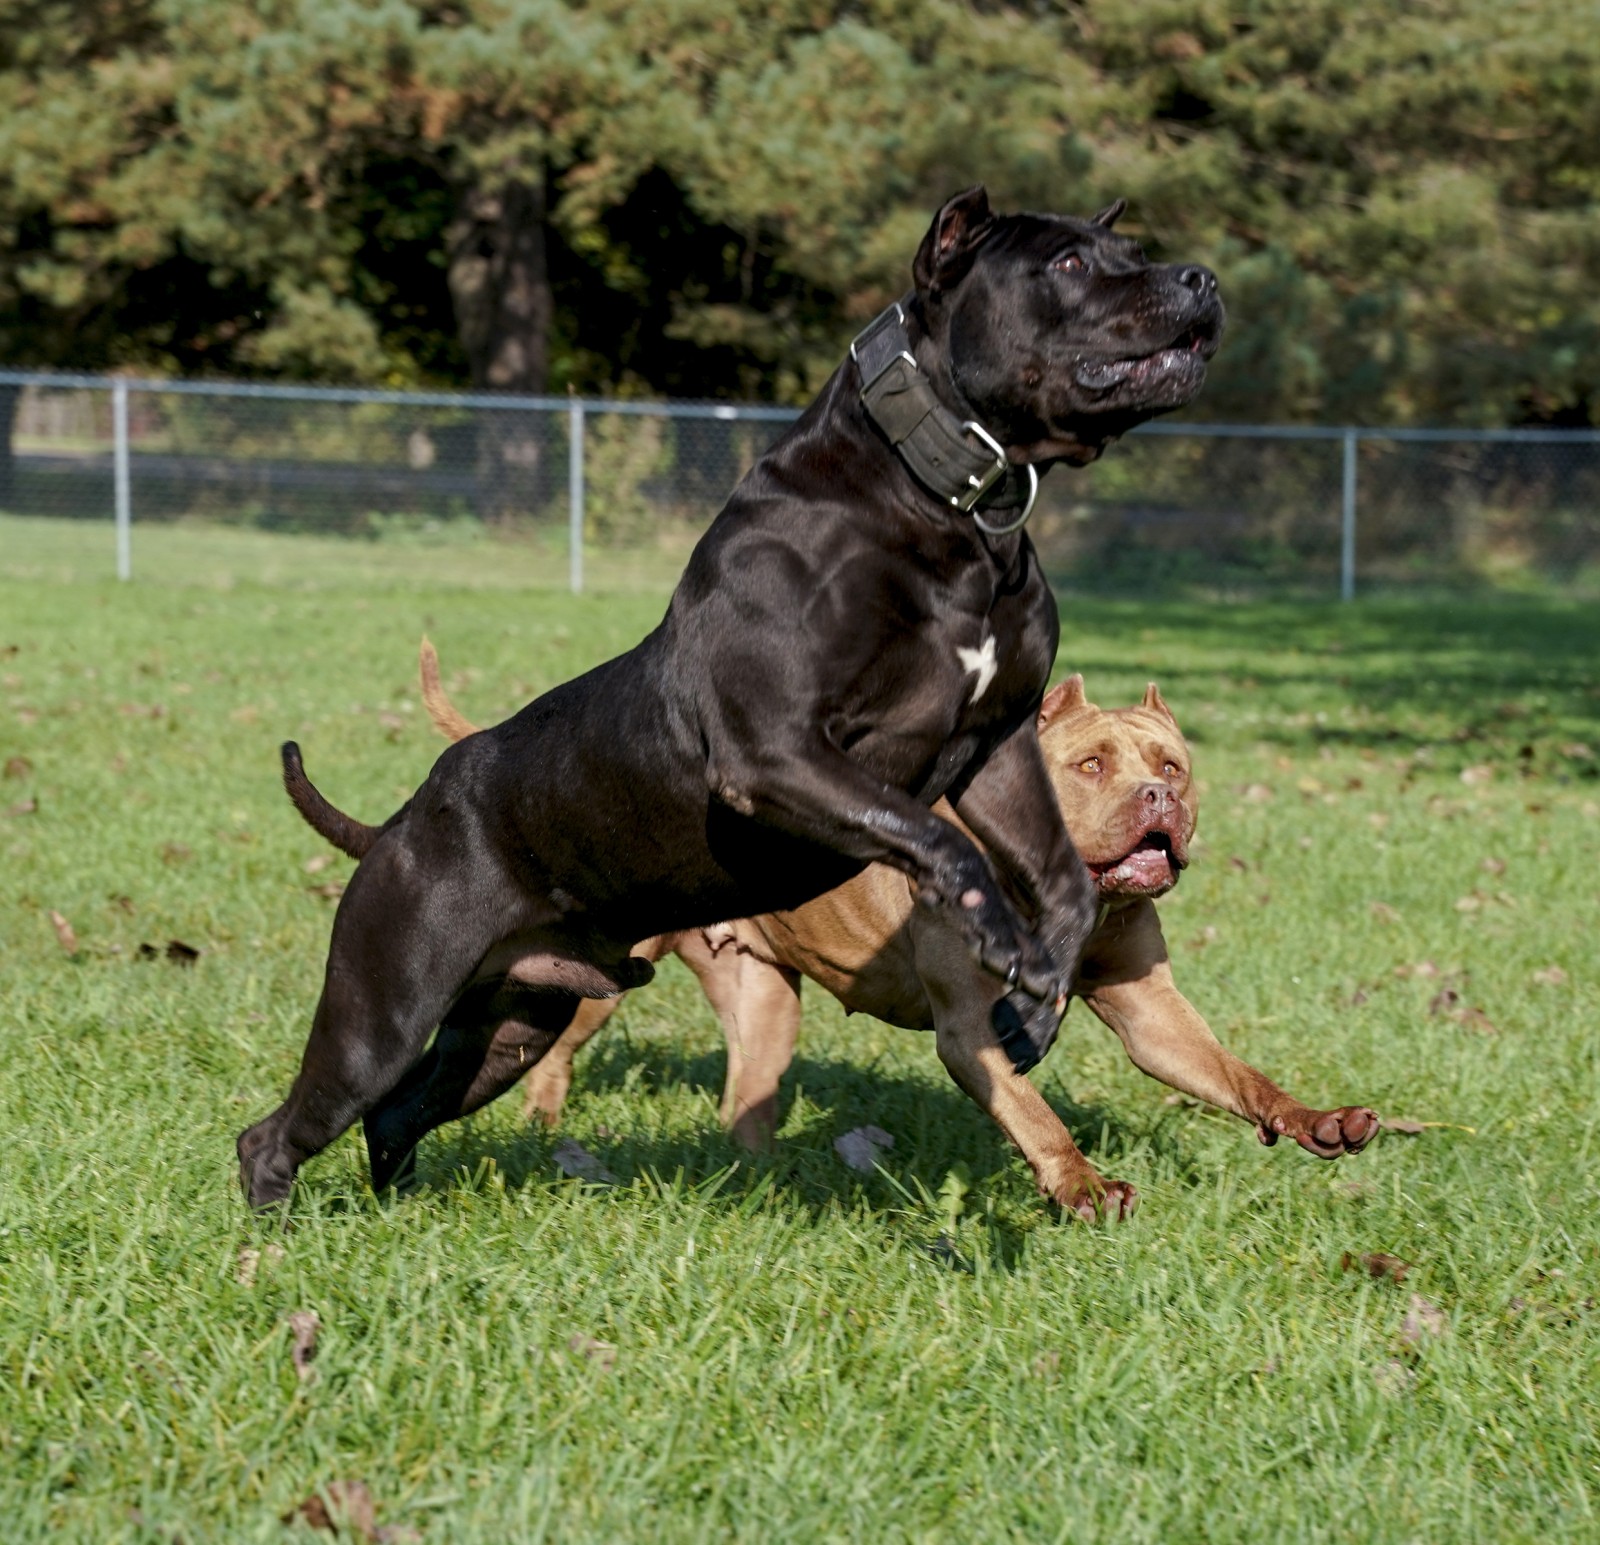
column 983, row 662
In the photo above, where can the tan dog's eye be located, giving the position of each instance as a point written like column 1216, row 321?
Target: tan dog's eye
column 1171, row 770
column 1089, row 765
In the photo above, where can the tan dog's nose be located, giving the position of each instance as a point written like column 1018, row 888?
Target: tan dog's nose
column 1159, row 799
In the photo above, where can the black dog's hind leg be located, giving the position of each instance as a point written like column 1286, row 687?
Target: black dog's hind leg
column 489, row 1039
column 402, row 951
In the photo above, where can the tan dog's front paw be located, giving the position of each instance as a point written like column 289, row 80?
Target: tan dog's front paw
column 1096, row 1200
column 1326, row 1133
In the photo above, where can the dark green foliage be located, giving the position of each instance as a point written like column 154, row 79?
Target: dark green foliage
column 1401, row 202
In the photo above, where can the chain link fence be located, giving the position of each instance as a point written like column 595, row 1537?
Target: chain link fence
column 192, row 481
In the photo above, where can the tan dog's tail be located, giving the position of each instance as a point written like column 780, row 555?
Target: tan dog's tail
column 446, row 718
column 344, row 832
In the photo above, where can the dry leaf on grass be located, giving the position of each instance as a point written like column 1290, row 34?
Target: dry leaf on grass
column 1483, row 773
column 65, row 937
column 1256, row 794
column 176, row 852
column 1384, row 912
column 859, row 1148
column 1495, row 866
column 329, row 890
column 306, row 1327
column 603, row 1354
column 317, row 863
column 1550, row 976
column 1424, row 1321
column 250, row 1260
column 23, row 807
column 175, row 950
column 1378, row 1264
column 341, row 1506
column 1393, row 1379
column 574, row 1160
column 17, row 767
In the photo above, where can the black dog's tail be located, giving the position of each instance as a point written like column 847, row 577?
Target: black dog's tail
column 344, row 832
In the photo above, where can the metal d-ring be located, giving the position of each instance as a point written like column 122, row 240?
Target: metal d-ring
column 1027, row 509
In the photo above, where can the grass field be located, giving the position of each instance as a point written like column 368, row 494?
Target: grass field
column 1394, row 900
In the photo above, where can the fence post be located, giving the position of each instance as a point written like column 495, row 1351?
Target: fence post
column 575, row 496
column 1347, row 531
column 124, row 488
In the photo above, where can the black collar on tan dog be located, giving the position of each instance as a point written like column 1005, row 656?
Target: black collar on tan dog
column 956, row 459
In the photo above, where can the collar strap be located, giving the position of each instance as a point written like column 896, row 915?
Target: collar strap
column 957, row 460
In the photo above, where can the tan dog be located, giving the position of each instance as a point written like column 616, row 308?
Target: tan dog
column 1123, row 778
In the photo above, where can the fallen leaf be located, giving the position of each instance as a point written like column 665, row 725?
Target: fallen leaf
column 1493, row 866
column 859, row 1147
column 1358, row 997
column 329, row 890
column 1550, row 976
column 1384, row 912
column 1377, row 819
column 1578, row 751
column 574, row 1160
column 176, row 852
column 1469, row 903
column 65, row 937
column 1424, row 1321
column 1393, row 1379
column 348, row 1505
column 1471, row 776
column 18, row 767
column 603, row 1354
column 306, row 1327
column 1473, row 1018
column 1444, row 1001
column 1238, row 864
column 123, row 903
column 250, row 1260
column 24, row 807
column 1378, row 1264
column 1207, row 935
column 317, row 863
column 1256, row 794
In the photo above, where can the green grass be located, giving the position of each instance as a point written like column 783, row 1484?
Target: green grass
column 794, row 1359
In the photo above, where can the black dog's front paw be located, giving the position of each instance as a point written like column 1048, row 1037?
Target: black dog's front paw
column 1027, row 1026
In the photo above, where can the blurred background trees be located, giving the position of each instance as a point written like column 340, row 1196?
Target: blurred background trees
column 708, row 197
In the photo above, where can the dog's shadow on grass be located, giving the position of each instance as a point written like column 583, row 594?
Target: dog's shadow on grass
column 938, row 1134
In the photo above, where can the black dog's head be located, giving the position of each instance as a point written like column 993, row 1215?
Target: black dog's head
column 1057, row 334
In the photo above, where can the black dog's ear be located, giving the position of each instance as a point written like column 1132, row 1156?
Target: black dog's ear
column 956, row 234
column 1109, row 216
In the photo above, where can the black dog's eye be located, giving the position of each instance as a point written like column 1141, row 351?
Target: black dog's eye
column 1070, row 264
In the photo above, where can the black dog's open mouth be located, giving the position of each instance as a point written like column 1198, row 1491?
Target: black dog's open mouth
column 1147, row 868
column 1182, row 360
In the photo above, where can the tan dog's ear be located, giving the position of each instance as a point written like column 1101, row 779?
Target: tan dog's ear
column 1157, row 704
column 1062, row 698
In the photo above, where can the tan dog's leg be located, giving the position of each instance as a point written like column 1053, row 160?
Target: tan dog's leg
column 1128, row 983
column 758, row 1004
column 961, row 999
column 545, row 1089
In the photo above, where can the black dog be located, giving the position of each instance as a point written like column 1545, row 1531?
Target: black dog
column 863, row 629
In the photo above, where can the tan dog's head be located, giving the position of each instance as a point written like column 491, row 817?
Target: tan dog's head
column 1122, row 776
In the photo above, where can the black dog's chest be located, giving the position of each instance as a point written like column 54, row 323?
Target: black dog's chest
column 931, row 697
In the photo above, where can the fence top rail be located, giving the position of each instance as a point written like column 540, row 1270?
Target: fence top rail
column 745, row 412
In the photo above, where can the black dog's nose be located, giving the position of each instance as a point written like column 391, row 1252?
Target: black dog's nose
column 1201, row 280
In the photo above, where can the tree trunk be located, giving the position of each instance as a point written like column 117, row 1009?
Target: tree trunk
column 500, row 287
column 10, row 396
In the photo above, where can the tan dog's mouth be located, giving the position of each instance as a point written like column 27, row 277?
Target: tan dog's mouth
column 1147, row 869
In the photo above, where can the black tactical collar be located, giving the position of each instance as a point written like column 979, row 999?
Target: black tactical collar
column 956, row 459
